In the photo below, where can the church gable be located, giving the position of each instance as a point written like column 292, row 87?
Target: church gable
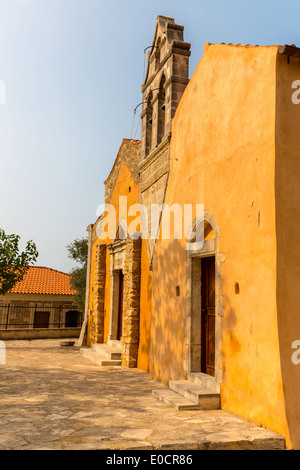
column 129, row 153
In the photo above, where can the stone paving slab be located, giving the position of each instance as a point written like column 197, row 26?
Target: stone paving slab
column 51, row 397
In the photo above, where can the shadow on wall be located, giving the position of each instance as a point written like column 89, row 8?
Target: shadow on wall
column 145, row 319
column 167, row 351
column 167, row 348
column 287, row 193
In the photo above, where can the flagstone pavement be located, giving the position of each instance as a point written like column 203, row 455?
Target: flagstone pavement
column 51, row 397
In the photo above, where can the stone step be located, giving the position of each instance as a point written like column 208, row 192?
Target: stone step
column 204, row 380
column 175, row 400
column 115, row 344
column 207, row 399
column 94, row 356
column 107, row 351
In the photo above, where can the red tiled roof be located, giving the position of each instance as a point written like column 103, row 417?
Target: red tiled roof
column 40, row 280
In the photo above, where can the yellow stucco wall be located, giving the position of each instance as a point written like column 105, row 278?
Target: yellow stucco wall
column 145, row 310
column 123, row 182
column 223, row 150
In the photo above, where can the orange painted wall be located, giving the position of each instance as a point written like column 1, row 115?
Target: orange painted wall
column 223, row 151
column 145, row 310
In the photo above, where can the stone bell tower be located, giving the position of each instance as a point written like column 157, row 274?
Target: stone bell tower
column 165, row 81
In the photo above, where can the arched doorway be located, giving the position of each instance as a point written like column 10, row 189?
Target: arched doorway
column 204, row 306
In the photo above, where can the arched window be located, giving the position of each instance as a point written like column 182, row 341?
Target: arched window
column 200, row 231
column 161, row 110
column 157, row 54
column 149, row 119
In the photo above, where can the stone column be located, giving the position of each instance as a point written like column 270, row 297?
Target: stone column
column 155, row 114
column 131, row 315
column 97, row 323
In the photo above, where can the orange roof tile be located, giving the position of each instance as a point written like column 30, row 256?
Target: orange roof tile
column 40, row 280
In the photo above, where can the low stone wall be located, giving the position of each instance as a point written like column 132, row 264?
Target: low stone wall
column 39, row 333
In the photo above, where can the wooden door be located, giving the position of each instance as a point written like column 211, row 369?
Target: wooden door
column 208, row 315
column 120, row 307
column 41, row 319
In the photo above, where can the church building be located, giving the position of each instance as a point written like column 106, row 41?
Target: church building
column 218, row 323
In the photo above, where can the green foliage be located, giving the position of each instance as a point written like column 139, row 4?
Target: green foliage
column 78, row 282
column 13, row 264
column 78, row 251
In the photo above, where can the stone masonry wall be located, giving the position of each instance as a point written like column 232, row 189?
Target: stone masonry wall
column 97, row 321
column 131, row 315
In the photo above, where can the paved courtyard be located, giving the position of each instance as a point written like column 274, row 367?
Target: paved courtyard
column 53, row 398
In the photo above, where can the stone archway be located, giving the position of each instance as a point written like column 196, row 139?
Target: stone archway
column 194, row 318
column 117, row 252
column 125, row 256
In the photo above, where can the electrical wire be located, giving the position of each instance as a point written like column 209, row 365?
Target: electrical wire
column 137, row 128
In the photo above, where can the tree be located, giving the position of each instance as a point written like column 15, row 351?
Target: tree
column 78, row 250
column 13, row 264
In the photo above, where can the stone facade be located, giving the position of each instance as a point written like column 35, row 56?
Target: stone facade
column 131, row 317
column 97, row 318
column 154, row 172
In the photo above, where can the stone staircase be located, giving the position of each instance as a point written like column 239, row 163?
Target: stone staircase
column 104, row 354
column 199, row 392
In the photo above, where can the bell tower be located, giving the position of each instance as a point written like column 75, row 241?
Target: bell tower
column 165, row 81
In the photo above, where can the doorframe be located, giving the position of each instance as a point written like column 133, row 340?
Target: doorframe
column 120, row 322
column 117, row 263
column 193, row 289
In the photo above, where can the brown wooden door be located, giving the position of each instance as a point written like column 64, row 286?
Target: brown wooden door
column 120, row 308
column 208, row 316
column 41, row 319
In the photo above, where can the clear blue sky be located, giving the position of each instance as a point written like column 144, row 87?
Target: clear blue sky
column 73, row 71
